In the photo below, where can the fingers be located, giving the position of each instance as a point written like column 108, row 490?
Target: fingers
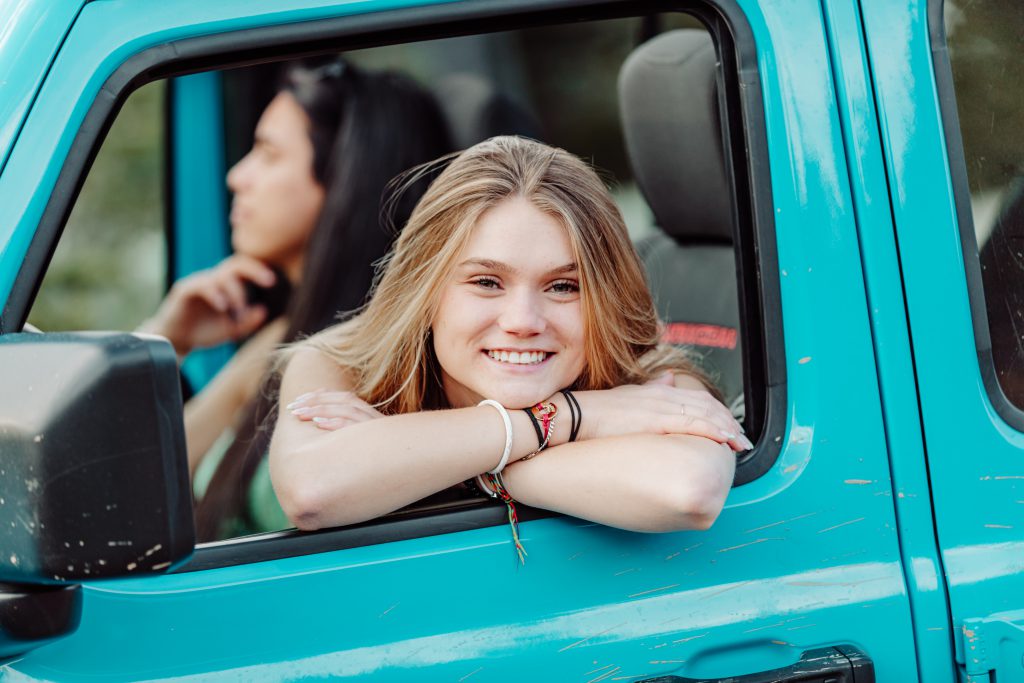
column 707, row 428
column 248, row 268
column 249, row 320
column 696, row 412
column 332, row 410
column 702, row 404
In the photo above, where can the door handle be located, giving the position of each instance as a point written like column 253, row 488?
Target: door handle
column 835, row 664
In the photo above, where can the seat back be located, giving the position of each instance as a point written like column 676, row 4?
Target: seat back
column 668, row 97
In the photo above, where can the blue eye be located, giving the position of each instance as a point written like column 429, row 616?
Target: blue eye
column 565, row 287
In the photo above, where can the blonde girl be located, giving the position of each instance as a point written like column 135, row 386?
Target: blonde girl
column 513, row 280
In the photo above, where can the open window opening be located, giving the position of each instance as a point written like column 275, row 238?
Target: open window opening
column 653, row 101
column 979, row 72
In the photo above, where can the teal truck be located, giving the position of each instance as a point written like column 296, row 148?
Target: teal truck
column 849, row 172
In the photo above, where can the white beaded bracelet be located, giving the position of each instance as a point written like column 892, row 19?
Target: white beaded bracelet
column 508, row 433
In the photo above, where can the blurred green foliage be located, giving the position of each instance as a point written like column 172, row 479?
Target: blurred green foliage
column 109, row 269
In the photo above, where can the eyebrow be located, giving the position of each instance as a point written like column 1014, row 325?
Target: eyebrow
column 499, row 267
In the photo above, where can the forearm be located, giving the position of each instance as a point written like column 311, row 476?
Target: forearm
column 365, row 470
column 636, row 482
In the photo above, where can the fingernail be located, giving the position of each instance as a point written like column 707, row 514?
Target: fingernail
column 320, row 420
column 301, row 411
column 747, row 443
column 299, row 400
column 728, row 435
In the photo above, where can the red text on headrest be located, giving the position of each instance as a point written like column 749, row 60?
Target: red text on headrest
column 696, row 334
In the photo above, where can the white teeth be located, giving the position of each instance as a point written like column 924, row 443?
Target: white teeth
column 518, row 357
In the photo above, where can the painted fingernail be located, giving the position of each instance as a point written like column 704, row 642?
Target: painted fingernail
column 321, row 420
column 299, row 412
column 728, row 435
column 747, row 443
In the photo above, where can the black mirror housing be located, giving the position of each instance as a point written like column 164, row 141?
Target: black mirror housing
column 94, row 476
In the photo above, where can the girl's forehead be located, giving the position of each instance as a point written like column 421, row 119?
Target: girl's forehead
column 517, row 227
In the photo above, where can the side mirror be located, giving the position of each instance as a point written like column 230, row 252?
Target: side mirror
column 93, row 471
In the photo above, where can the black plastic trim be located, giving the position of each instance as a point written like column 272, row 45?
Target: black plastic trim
column 401, row 526
column 1013, row 415
column 31, row 616
column 748, row 156
column 168, row 185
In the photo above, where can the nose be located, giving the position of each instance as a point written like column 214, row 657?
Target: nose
column 238, row 174
column 522, row 313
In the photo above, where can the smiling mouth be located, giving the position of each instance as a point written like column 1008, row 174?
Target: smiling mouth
column 518, row 357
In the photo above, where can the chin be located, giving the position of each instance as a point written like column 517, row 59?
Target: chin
column 525, row 398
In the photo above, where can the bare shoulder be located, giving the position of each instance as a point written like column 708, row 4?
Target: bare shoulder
column 309, row 369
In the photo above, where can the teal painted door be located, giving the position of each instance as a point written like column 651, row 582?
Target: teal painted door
column 805, row 556
column 975, row 455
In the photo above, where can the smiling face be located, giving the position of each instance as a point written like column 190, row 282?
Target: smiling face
column 509, row 325
column 277, row 198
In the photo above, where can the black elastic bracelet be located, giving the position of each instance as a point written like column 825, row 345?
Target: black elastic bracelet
column 575, row 412
column 536, row 426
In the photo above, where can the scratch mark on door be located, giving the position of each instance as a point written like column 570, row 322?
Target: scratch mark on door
column 744, row 545
column 852, row 521
column 470, row 674
column 782, row 521
column 605, row 675
column 580, row 642
column 728, row 588
column 761, row 628
column 602, row 668
column 654, row 590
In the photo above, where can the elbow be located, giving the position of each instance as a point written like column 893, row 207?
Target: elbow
column 302, row 509
column 304, row 495
column 698, row 500
column 691, row 509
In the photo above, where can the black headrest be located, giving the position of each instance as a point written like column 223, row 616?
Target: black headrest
column 669, row 102
column 476, row 111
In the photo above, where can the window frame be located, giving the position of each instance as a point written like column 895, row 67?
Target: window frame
column 746, row 161
column 953, row 138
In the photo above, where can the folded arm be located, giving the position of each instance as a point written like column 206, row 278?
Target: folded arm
column 655, row 475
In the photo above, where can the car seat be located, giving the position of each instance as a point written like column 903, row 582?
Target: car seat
column 668, row 97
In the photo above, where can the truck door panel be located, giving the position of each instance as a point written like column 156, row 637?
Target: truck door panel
column 805, row 556
column 972, row 432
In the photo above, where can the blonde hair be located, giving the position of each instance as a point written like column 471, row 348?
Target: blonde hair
column 386, row 348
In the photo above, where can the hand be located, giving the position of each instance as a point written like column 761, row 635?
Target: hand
column 210, row 307
column 658, row 407
column 332, row 410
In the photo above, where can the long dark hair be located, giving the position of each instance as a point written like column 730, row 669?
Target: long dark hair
column 366, row 128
